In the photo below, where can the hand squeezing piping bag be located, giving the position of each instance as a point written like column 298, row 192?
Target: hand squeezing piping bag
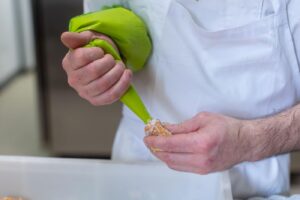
column 130, row 34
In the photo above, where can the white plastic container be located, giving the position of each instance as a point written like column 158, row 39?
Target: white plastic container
column 79, row 179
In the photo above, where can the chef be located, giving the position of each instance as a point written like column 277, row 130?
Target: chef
column 223, row 74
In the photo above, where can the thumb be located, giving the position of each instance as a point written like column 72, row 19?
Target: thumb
column 190, row 125
column 74, row 40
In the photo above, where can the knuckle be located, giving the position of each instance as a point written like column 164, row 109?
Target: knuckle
column 72, row 81
column 82, row 94
column 209, row 145
column 76, row 77
column 65, row 63
column 205, row 147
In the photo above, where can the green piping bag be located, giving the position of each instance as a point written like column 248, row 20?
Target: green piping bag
column 130, row 34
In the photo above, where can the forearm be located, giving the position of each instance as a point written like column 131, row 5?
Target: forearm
column 273, row 135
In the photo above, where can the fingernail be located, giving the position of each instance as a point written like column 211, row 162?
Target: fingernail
column 129, row 73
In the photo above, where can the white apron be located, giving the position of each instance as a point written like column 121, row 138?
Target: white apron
column 234, row 57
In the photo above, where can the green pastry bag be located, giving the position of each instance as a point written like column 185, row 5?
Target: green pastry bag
column 130, row 34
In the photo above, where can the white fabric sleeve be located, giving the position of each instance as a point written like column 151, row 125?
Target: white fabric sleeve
column 294, row 20
column 94, row 5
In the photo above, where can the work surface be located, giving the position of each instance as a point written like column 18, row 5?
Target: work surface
column 78, row 179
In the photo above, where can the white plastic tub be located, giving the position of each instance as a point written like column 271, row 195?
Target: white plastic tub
column 79, row 179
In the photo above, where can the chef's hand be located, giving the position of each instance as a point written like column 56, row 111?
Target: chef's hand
column 206, row 143
column 96, row 76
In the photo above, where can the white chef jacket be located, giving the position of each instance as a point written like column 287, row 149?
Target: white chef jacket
column 235, row 57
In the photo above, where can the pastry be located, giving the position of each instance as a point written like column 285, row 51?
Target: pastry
column 11, row 198
column 155, row 128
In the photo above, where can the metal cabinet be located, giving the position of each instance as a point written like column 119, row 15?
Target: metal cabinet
column 295, row 163
column 71, row 125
